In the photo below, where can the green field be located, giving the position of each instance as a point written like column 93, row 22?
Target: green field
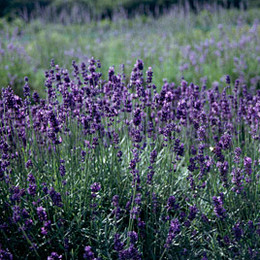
column 176, row 45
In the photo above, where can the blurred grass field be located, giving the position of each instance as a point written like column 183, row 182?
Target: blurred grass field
column 200, row 47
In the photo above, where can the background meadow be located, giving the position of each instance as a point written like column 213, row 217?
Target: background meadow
column 197, row 47
column 130, row 133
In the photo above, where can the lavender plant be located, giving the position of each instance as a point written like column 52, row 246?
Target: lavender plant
column 106, row 168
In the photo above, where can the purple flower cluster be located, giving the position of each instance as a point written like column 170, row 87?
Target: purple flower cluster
column 88, row 254
column 127, row 253
column 173, row 231
column 54, row 256
column 218, row 206
column 5, row 254
column 95, row 188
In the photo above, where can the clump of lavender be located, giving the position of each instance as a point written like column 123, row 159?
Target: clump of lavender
column 54, row 256
column 26, row 88
column 136, row 210
column 237, row 180
column 223, row 168
column 32, row 189
column 149, row 76
column 173, row 231
column 42, row 215
column 153, row 156
column 218, row 206
column 46, row 228
column 133, row 236
column 127, row 253
column 238, row 231
column 88, row 253
column 118, row 245
column 248, row 165
column 171, row 203
column 130, row 253
column 192, row 212
column 95, row 188
column 62, row 168
column 28, row 164
column 117, row 210
column 56, row 197
column 5, row 254
column 238, row 152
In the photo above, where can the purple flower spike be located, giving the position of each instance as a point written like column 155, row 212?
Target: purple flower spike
column 89, row 255
column 171, row 203
column 56, row 197
column 133, row 236
column 238, row 231
column 5, row 254
column 29, row 164
column 54, row 256
column 218, row 207
column 118, row 245
column 95, row 187
column 193, row 212
column 248, row 165
column 228, row 79
column 173, row 231
column 41, row 214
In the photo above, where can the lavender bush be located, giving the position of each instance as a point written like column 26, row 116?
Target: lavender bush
column 109, row 168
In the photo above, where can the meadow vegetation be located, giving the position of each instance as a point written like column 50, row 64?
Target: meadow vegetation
column 179, row 44
column 149, row 150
